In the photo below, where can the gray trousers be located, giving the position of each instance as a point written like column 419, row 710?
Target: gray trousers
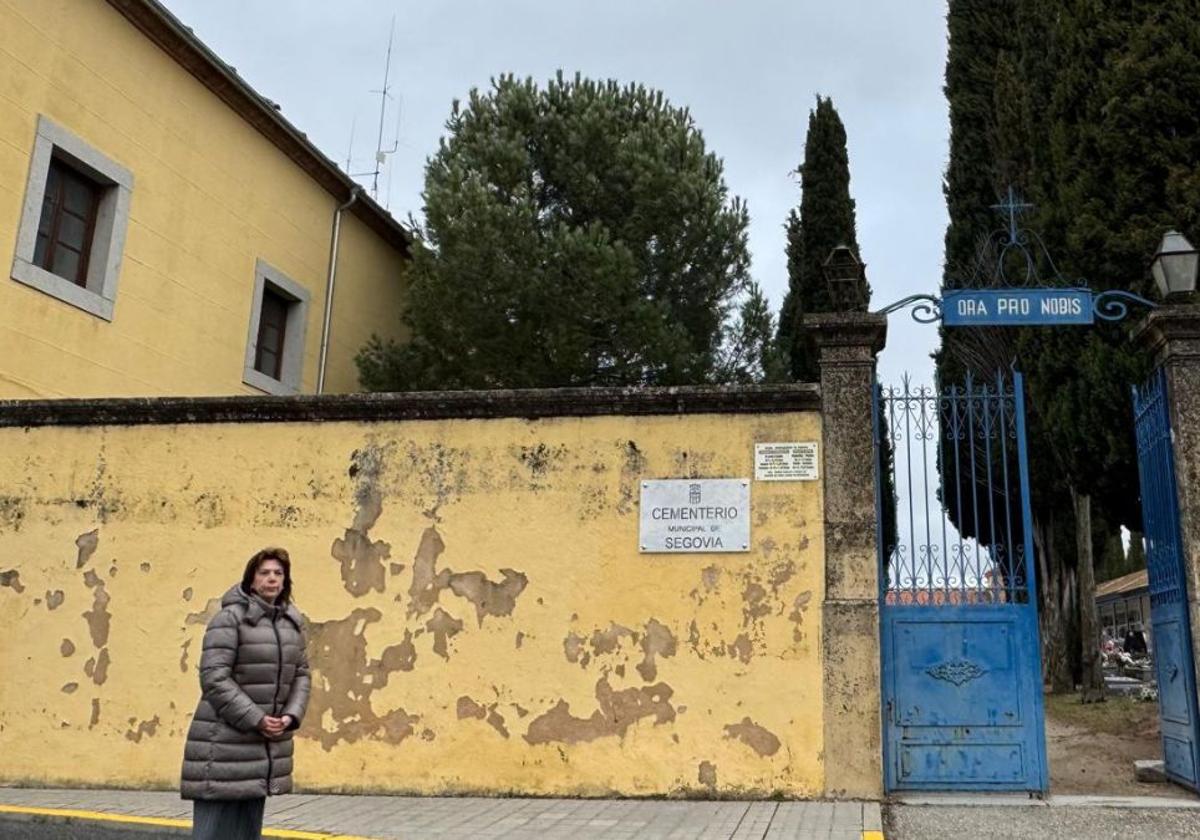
column 227, row 819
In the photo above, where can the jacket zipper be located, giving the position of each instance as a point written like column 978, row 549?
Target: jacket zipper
column 275, row 698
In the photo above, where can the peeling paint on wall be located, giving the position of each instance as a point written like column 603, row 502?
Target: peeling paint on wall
column 361, row 558
column 741, row 648
column 427, row 584
column 754, row 596
column 12, row 578
column 443, row 626
column 54, row 599
column 607, row 641
column 574, row 651
column 468, row 708
column 211, row 608
column 657, row 641
column 98, row 618
column 754, row 736
column 86, row 545
column 489, row 598
column 100, row 674
column 344, row 679
column 796, row 616
column 618, row 710
column 142, row 729
column 584, row 654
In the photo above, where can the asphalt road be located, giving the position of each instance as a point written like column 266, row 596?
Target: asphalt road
column 13, row 828
column 920, row 822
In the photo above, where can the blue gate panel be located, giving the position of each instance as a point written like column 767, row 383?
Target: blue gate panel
column 1170, row 650
column 937, row 765
column 1177, row 752
column 955, row 673
column 961, row 668
column 1178, row 706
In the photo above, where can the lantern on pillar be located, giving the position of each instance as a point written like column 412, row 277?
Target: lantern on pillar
column 1174, row 266
column 845, row 276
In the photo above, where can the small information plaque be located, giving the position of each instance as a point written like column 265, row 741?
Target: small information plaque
column 785, row 461
column 695, row 515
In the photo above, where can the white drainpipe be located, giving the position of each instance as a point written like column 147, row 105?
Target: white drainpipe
column 333, row 254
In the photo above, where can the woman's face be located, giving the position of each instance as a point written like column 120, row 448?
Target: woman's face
column 268, row 579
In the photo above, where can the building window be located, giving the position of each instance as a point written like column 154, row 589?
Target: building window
column 64, row 237
column 272, row 331
column 72, row 230
column 275, row 343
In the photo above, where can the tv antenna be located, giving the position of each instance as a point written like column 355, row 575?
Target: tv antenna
column 381, row 152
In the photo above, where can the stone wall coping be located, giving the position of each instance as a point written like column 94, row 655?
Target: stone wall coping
column 1169, row 323
column 867, row 329
column 418, row 405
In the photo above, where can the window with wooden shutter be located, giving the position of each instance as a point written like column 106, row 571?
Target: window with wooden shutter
column 272, row 332
column 64, row 237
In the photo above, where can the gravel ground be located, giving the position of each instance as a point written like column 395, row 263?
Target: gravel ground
column 1037, row 822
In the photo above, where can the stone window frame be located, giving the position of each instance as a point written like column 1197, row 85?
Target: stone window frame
column 99, row 296
column 299, row 297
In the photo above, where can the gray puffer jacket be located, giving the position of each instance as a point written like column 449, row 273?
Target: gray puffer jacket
column 253, row 665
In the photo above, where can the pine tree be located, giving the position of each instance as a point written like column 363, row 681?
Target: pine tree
column 825, row 220
column 578, row 234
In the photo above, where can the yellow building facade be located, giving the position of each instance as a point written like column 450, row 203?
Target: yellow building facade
column 164, row 231
column 481, row 616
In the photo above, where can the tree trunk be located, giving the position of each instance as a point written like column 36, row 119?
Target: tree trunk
column 1055, row 659
column 1092, row 676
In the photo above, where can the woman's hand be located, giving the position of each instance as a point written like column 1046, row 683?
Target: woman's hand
column 273, row 727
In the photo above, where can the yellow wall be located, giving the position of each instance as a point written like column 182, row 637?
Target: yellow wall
column 211, row 195
column 481, row 618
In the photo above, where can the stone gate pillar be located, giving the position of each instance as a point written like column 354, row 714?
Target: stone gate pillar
column 848, row 344
column 1171, row 334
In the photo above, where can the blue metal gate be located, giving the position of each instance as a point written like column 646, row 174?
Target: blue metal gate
column 960, row 650
column 1170, row 636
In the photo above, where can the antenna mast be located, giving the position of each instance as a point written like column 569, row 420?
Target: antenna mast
column 381, row 153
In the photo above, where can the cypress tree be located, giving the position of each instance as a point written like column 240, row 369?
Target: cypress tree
column 824, row 221
column 1135, row 560
column 1112, row 559
column 1108, row 141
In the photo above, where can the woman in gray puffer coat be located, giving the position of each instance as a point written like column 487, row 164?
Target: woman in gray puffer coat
column 254, row 683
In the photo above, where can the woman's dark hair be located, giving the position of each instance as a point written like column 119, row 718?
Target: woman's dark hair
column 270, row 553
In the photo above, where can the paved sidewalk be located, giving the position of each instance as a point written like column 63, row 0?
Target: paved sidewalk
column 446, row 818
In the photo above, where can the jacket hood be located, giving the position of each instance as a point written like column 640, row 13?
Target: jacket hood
column 256, row 608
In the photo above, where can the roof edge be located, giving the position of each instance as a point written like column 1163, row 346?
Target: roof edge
column 166, row 31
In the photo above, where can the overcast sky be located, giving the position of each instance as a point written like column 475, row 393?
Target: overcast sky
column 748, row 70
